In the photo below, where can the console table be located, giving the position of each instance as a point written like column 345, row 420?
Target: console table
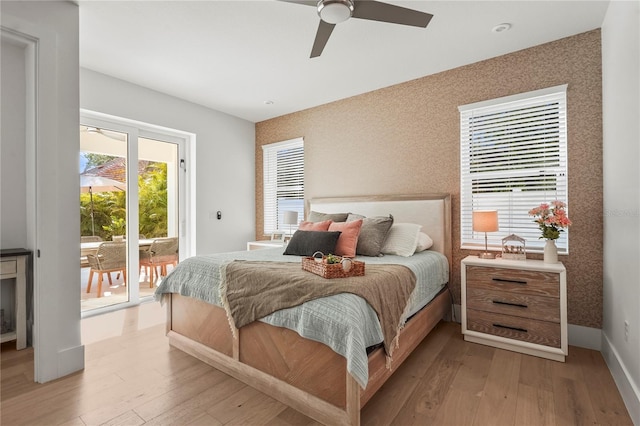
column 14, row 264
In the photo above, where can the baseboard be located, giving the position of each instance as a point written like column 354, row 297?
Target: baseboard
column 628, row 388
column 70, row 360
column 585, row 337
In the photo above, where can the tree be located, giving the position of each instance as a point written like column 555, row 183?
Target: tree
column 109, row 208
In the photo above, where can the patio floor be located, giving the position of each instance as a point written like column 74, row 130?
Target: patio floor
column 111, row 295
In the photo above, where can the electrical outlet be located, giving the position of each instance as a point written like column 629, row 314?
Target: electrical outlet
column 626, row 330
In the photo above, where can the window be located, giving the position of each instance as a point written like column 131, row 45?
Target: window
column 513, row 153
column 283, row 170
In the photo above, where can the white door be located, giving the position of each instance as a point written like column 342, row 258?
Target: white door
column 131, row 196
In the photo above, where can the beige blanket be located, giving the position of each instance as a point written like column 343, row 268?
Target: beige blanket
column 253, row 289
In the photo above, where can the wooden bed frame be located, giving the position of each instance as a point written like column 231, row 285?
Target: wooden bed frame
column 307, row 375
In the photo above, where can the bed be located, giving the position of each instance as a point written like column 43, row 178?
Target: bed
column 328, row 380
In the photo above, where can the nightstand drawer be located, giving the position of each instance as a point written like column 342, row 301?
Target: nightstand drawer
column 511, row 327
column 511, row 303
column 512, row 280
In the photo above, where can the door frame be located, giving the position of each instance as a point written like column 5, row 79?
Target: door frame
column 186, row 179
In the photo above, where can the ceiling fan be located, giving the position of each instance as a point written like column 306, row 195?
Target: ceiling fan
column 333, row 12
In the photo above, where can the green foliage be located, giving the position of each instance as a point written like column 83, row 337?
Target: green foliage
column 118, row 226
column 109, row 208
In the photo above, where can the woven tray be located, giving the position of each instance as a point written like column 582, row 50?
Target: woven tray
column 332, row 270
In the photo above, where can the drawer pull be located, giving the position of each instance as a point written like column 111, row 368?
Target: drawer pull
column 519, row 305
column 524, row 330
column 504, row 280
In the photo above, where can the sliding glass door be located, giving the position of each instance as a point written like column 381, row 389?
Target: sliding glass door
column 130, row 207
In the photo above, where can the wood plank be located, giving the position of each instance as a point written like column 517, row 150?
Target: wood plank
column 535, row 406
column 109, row 381
column 474, row 366
column 247, row 407
column 537, row 373
column 291, row 417
column 190, row 409
column 422, row 406
column 498, row 403
column 385, row 405
column 416, row 329
column 571, row 402
column 608, row 406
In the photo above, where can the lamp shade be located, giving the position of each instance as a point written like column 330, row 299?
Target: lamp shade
column 485, row 220
column 290, row 217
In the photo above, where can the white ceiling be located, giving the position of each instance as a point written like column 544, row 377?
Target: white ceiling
column 232, row 56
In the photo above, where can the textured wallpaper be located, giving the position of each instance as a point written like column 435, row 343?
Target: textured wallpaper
column 405, row 139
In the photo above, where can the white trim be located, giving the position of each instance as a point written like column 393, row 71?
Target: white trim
column 629, row 390
column 283, row 144
column 514, row 98
column 42, row 68
column 585, row 337
column 186, row 205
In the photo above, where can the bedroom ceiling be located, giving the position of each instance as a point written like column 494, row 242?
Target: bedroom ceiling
column 250, row 59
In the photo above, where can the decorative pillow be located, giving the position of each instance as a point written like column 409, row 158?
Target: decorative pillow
column 349, row 238
column 424, row 242
column 314, row 226
column 372, row 234
column 319, row 217
column 402, row 239
column 305, row 243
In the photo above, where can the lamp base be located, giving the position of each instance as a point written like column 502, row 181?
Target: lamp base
column 487, row 255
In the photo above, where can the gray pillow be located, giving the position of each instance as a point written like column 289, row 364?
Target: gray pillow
column 373, row 233
column 320, row 217
column 305, row 243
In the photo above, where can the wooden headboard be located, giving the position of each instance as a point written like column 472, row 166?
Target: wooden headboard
column 432, row 211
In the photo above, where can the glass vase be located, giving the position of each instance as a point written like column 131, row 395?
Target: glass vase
column 550, row 252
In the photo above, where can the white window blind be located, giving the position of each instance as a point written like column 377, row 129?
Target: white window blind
column 283, row 169
column 513, row 154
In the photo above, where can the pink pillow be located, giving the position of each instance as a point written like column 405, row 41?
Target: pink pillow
column 314, row 226
column 348, row 240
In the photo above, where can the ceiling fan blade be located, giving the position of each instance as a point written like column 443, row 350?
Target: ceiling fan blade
column 384, row 12
column 313, row 3
column 322, row 36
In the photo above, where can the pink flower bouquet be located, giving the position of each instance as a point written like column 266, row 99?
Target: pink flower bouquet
column 551, row 219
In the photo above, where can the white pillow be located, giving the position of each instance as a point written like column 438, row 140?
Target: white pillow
column 402, row 239
column 424, row 242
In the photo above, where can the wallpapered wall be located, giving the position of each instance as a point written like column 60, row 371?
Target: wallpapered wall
column 405, row 139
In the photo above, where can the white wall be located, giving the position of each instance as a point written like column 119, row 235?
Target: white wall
column 224, row 154
column 13, row 184
column 51, row 196
column 621, row 154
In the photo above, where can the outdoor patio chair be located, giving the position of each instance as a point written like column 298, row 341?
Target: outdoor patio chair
column 110, row 257
column 90, row 238
column 84, row 263
column 162, row 252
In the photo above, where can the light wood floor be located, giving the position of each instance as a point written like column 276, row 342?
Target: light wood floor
column 137, row 379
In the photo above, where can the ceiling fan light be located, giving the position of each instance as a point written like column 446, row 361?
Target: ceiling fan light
column 335, row 11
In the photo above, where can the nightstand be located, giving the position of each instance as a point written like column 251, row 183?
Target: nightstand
column 256, row 245
column 519, row 305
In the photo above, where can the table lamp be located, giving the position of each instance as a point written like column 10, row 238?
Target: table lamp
column 485, row 221
column 290, row 217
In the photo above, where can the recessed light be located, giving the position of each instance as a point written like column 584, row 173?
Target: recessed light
column 268, row 102
column 500, row 28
